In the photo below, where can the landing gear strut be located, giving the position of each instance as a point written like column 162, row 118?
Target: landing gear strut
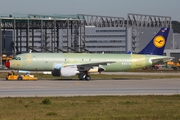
column 84, row 76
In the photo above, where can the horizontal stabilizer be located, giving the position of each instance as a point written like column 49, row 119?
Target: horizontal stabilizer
column 161, row 60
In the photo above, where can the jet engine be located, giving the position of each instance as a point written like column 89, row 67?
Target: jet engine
column 65, row 72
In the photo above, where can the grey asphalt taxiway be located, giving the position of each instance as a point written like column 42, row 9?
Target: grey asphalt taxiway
column 49, row 88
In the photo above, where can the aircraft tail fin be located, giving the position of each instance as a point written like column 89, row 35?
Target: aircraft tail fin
column 157, row 44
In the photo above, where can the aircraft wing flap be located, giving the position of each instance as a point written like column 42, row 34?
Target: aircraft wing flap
column 91, row 64
column 96, row 64
column 88, row 66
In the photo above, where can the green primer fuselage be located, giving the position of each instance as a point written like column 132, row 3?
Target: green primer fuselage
column 47, row 61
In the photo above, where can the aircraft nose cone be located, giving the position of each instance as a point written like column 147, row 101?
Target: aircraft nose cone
column 7, row 64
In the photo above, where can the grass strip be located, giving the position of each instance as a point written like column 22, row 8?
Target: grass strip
column 92, row 107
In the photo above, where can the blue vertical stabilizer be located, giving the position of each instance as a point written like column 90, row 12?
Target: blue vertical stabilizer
column 157, row 44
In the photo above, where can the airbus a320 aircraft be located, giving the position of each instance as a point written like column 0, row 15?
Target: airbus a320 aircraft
column 70, row 64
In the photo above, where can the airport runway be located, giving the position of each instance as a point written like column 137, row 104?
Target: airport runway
column 88, row 88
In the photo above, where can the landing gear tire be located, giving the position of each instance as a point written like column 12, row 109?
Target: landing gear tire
column 87, row 78
column 82, row 76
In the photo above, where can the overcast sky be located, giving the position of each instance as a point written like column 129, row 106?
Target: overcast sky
column 117, row 8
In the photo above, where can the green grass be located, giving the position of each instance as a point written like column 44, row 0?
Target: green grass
column 92, row 108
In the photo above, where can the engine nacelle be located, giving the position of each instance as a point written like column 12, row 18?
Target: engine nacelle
column 65, row 72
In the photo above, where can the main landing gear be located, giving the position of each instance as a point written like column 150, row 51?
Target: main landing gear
column 84, row 76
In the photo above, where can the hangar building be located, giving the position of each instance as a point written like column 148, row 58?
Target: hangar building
column 79, row 33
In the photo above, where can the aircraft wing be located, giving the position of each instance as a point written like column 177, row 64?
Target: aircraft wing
column 88, row 66
column 161, row 60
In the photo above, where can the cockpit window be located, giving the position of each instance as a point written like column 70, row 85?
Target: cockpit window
column 16, row 58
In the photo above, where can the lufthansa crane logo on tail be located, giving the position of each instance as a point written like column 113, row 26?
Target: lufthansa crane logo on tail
column 159, row 41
